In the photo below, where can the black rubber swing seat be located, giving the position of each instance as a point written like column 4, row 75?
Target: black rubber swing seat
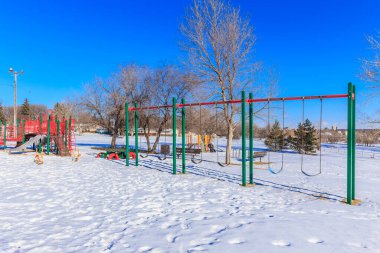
column 196, row 160
column 144, row 156
column 162, row 157
column 271, row 170
column 310, row 175
column 222, row 164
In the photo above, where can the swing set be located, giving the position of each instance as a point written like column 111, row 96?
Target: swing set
column 270, row 168
column 351, row 143
column 164, row 149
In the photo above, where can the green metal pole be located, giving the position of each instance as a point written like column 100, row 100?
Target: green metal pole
column 349, row 146
column 58, row 127
column 174, row 136
column 66, row 130
column 58, row 134
column 183, row 137
column 250, row 140
column 40, row 123
column 353, row 144
column 48, row 137
column 1, row 127
column 17, row 130
column 5, row 135
column 23, row 131
column 69, row 133
column 126, row 135
column 136, row 135
column 40, row 144
column 63, row 131
column 243, row 144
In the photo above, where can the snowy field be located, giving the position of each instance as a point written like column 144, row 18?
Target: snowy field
column 96, row 205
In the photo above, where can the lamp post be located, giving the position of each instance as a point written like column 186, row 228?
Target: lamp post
column 15, row 74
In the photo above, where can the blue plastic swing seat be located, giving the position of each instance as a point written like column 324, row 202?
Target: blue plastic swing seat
column 274, row 172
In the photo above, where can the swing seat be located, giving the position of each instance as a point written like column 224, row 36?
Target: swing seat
column 162, row 157
column 270, row 169
column 144, row 155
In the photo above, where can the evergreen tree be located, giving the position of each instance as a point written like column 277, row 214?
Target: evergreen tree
column 25, row 110
column 56, row 108
column 305, row 138
column 60, row 110
column 275, row 140
column 2, row 116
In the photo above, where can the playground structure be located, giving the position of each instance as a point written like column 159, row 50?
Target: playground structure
column 351, row 143
column 56, row 135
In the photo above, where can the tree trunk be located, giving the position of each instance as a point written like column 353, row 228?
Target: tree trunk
column 158, row 135
column 230, row 134
column 159, row 131
column 147, row 134
column 113, row 141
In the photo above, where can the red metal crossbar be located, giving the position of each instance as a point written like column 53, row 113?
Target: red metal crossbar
column 296, row 98
column 257, row 100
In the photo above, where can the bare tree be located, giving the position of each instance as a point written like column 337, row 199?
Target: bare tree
column 71, row 107
column 158, row 87
column 65, row 109
column 371, row 67
column 219, row 43
column 105, row 99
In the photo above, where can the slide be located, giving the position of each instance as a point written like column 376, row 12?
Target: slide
column 34, row 140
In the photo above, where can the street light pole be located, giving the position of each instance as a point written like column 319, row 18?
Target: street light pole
column 15, row 74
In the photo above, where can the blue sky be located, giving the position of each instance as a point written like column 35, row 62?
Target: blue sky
column 314, row 45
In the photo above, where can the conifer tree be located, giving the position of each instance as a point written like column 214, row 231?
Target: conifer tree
column 56, row 107
column 275, row 140
column 60, row 110
column 305, row 138
column 25, row 110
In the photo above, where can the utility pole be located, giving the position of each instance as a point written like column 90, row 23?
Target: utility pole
column 15, row 74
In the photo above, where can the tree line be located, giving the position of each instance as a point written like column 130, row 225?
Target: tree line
column 25, row 111
column 219, row 42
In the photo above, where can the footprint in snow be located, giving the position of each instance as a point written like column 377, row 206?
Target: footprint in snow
column 314, row 240
column 144, row 249
column 203, row 241
column 197, row 248
column 167, row 225
column 281, row 243
column 236, row 241
column 198, row 218
column 171, row 238
column 157, row 250
column 217, row 228
column 357, row 244
column 83, row 218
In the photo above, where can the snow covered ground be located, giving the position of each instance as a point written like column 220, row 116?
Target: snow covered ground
column 96, row 205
